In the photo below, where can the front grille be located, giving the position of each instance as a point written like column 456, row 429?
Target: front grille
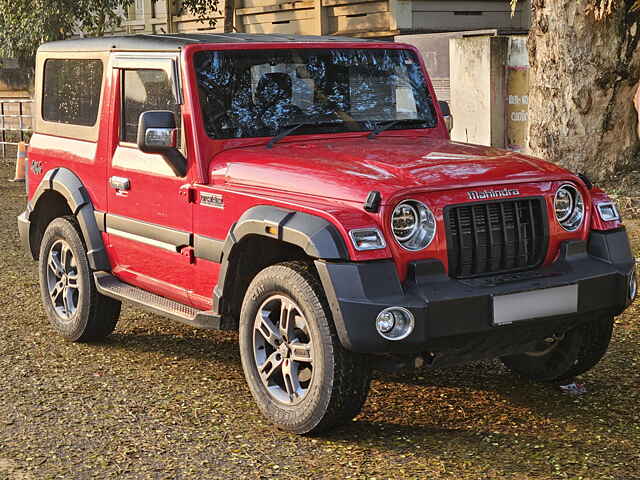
column 496, row 236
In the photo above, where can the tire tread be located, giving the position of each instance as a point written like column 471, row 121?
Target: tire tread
column 582, row 348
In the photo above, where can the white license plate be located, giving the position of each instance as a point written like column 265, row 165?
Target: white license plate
column 535, row 304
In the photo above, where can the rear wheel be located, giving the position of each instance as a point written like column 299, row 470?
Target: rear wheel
column 69, row 295
column 301, row 377
column 571, row 354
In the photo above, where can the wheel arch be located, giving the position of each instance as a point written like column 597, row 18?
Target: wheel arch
column 61, row 192
column 265, row 235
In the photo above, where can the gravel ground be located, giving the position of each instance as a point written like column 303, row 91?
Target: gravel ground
column 159, row 400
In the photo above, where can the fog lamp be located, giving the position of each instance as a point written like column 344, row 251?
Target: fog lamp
column 395, row 323
column 633, row 287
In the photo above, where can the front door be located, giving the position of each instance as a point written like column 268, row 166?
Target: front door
column 148, row 222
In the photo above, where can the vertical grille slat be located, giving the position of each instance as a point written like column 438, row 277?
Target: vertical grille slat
column 476, row 243
column 533, row 230
column 461, row 236
column 519, row 238
column 495, row 236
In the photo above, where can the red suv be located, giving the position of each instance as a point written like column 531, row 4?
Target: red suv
column 304, row 191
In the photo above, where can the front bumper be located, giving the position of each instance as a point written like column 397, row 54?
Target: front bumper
column 455, row 318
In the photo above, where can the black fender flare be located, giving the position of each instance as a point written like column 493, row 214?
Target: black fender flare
column 67, row 184
column 318, row 237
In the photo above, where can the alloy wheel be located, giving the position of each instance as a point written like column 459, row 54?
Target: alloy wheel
column 283, row 349
column 62, row 279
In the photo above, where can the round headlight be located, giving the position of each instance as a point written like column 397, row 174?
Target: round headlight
column 569, row 207
column 405, row 221
column 413, row 225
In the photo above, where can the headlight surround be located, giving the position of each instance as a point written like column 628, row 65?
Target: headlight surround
column 413, row 225
column 568, row 206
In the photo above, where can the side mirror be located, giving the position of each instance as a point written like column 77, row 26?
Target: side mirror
column 157, row 133
column 446, row 114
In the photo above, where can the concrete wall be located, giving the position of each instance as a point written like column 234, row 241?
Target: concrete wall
column 434, row 48
column 361, row 18
column 478, row 89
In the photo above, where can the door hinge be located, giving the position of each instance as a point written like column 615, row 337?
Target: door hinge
column 188, row 253
column 187, row 193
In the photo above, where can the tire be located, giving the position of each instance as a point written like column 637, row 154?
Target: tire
column 297, row 395
column 577, row 352
column 71, row 301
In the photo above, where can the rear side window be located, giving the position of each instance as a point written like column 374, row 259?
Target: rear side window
column 145, row 90
column 71, row 91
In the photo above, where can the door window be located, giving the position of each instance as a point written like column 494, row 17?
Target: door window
column 144, row 90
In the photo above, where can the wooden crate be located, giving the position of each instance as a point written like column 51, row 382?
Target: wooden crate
column 191, row 24
column 345, row 18
column 274, row 16
column 313, row 17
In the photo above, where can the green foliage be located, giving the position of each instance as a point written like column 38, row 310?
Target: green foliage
column 201, row 9
column 25, row 24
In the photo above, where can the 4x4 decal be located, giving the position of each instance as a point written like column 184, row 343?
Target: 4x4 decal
column 36, row 167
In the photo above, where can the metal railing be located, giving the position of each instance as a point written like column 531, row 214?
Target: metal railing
column 15, row 124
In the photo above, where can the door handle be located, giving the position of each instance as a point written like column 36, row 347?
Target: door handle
column 120, row 183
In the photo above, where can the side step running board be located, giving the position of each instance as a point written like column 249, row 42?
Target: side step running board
column 110, row 286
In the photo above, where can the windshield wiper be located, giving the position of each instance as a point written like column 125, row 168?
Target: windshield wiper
column 387, row 124
column 293, row 128
column 286, row 132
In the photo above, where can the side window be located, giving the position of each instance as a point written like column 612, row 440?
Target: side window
column 144, row 90
column 71, row 91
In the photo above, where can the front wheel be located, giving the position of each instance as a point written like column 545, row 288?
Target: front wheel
column 570, row 354
column 301, row 377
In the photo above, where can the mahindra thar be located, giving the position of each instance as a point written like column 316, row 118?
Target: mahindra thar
column 304, row 191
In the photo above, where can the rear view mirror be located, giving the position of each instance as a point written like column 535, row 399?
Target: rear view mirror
column 157, row 133
column 446, row 115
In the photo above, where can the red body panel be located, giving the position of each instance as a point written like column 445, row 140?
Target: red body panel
column 328, row 175
column 152, row 198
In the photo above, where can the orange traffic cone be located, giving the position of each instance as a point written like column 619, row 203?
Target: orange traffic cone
column 21, row 163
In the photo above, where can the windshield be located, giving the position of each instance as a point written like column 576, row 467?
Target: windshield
column 260, row 93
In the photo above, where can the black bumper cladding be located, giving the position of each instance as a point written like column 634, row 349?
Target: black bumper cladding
column 23, row 229
column 466, row 319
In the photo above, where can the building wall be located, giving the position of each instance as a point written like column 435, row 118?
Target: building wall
column 360, row 18
column 451, row 16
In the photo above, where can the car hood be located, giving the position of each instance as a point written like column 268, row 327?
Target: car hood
column 349, row 168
